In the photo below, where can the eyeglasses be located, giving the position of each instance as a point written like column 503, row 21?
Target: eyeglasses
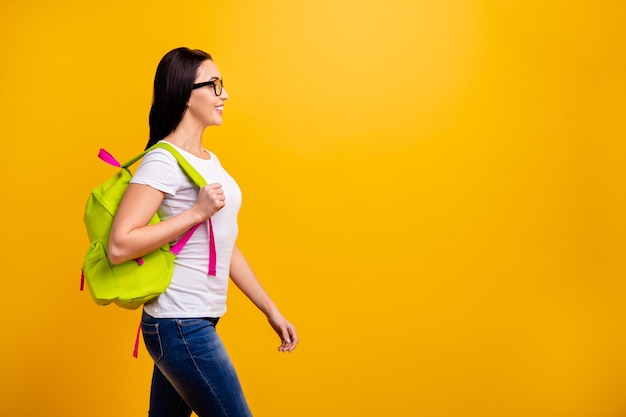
column 218, row 85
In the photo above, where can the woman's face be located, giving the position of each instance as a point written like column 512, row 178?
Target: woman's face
column 204, row 106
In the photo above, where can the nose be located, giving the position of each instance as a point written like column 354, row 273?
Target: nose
column 224, row 95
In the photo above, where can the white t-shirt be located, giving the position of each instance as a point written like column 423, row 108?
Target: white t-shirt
column 192, row 292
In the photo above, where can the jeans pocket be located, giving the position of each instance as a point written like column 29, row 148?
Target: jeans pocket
column 152, row 339
column 200, row 338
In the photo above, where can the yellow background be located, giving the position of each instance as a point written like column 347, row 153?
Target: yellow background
column 433, row 194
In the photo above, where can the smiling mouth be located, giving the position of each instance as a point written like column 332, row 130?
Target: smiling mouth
column 219, row 108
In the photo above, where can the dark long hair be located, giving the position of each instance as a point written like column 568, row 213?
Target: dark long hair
column 173, row 82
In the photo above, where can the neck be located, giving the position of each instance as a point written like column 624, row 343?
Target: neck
column 188, row 138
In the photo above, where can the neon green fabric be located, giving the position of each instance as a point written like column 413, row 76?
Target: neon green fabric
column 131, row 283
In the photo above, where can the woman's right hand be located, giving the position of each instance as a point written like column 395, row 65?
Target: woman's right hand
column 211, row 199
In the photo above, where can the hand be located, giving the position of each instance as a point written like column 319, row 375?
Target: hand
column 211, row 199
column 286, row 331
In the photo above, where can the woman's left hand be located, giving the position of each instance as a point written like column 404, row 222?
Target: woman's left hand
column 286, row 331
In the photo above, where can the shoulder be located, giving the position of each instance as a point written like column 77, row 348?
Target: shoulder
column 159, row 161
column 159, row 169
column 159, row 155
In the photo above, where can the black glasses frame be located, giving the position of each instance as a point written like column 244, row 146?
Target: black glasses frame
column 218, row 86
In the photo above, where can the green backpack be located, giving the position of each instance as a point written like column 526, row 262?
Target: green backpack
column 131, row 283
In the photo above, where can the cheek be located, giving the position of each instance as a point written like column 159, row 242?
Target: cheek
column 209, row 101
column 201, row 104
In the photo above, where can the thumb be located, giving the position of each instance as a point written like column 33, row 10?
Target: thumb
column 285, row 336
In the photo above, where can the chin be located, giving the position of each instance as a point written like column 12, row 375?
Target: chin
column 214, row 123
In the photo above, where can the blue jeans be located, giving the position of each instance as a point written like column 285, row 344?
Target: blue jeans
column 192, row 370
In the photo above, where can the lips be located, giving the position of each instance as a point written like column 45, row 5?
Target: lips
column 219, row 108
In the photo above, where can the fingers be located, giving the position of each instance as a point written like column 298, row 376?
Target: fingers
column 289, row 339
column 216, row 193
column 285, row 345
column 211, row 199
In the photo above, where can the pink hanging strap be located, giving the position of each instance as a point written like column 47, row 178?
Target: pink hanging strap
column 108, row 158
column 212, row 251
column 136, row 349
column 178, row 246
column 183, row 240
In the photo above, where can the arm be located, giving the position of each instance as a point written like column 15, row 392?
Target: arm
column 132, row 237
column 242, row 275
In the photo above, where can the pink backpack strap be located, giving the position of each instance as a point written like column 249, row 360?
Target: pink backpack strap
column 212, row 251
column 178, row 246
column 108, row 158
column 136, row 349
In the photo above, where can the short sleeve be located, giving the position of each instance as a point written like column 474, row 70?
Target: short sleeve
column 159, row 169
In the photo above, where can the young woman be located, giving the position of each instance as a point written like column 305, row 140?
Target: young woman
column 192, row 370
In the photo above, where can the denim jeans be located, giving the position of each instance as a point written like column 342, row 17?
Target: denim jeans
column 192, row 370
